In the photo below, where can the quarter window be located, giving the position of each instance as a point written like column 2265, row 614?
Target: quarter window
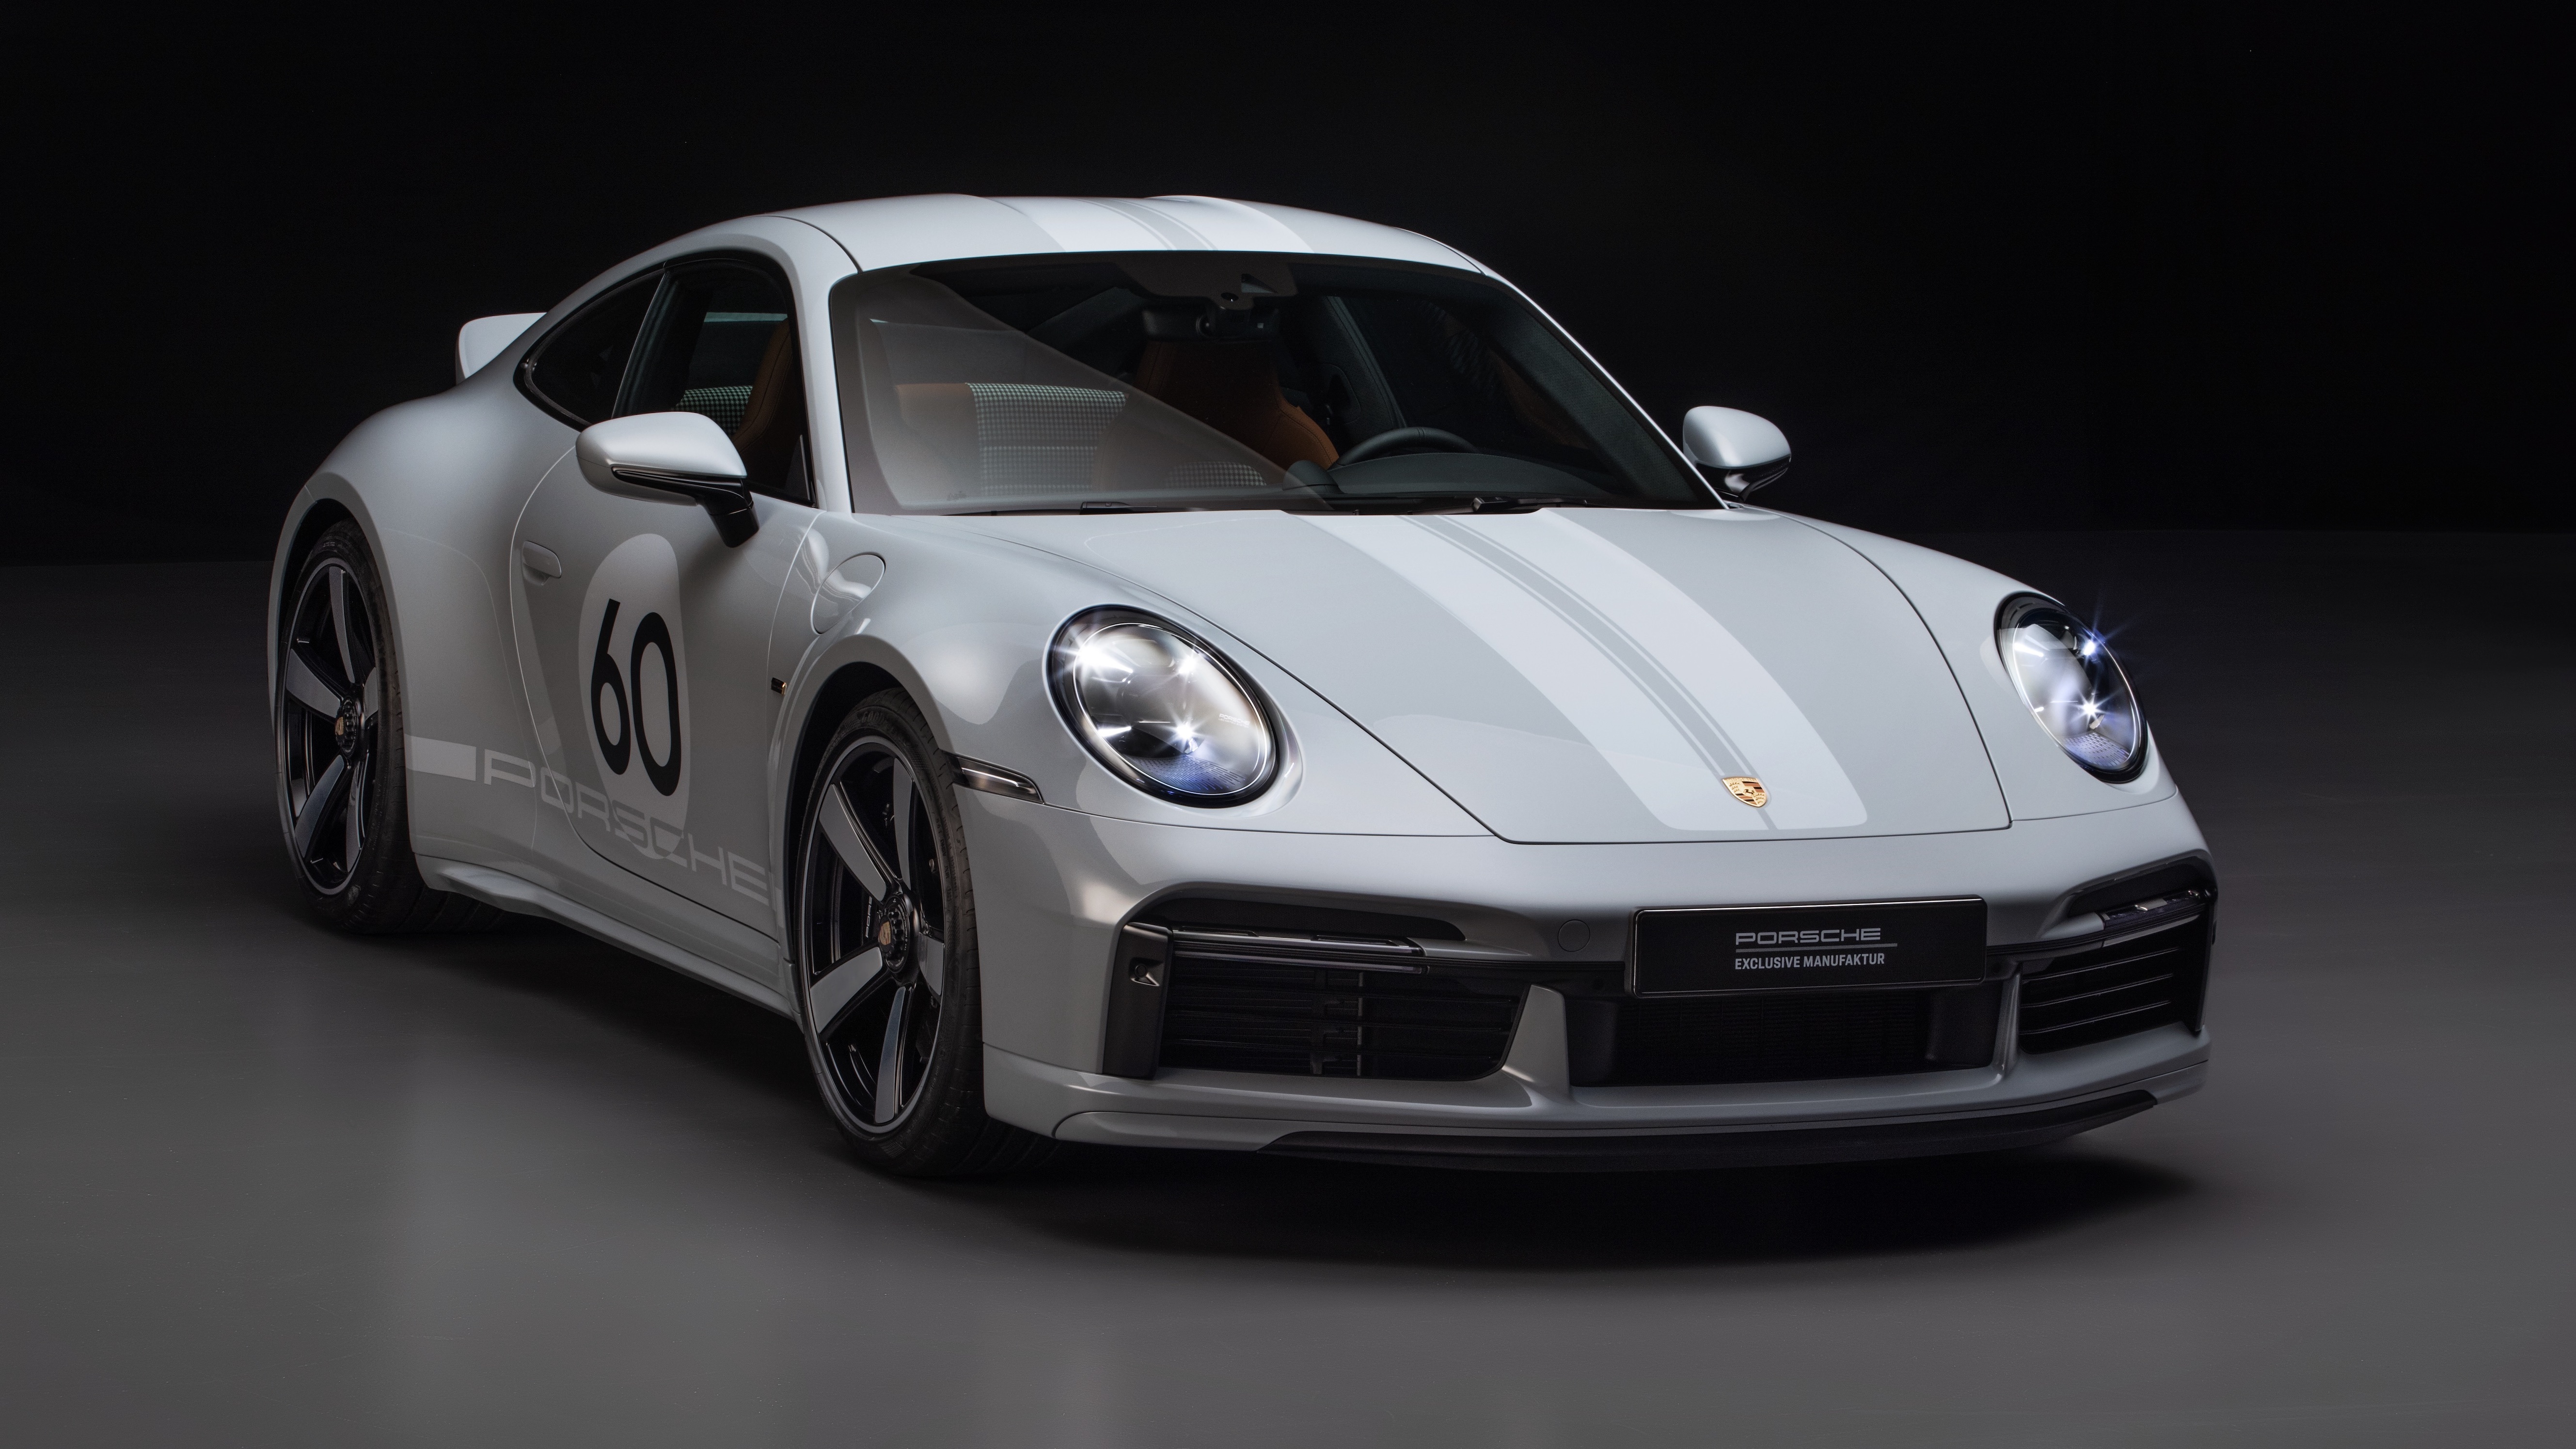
column 575, row 372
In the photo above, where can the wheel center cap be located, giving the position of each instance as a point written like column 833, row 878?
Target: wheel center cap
column 344, row 730
column 893, row 937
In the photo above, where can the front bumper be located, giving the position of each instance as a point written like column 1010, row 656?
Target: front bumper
column 1053, row 887
column 1876, row 1139
column 1528, row 1103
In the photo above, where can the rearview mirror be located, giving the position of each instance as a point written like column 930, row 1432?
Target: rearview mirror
column 673, row 458
column 1744, row 451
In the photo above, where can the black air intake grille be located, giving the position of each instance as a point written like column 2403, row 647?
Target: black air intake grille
column 1801, row 1035
column 1261, row 1004
column 2111, row 991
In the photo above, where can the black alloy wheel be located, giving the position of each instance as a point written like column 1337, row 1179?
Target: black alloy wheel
column 886, row 981
column 341, row 789
column 330, row 717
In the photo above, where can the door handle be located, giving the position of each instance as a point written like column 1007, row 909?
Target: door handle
column 540, row 562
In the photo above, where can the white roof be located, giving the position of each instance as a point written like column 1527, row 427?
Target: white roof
column 902, row 230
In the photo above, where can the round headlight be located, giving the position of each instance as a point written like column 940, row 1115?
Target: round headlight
column 2073, row 686
column 1161, row 710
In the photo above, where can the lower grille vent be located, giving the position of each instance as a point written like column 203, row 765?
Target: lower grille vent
column 1800, row 1036
column 2111, row 991
column 1234, row 1006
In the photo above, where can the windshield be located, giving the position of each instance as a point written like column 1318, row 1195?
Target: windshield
column 1207, row 380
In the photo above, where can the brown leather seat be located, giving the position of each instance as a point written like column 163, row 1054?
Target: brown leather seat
column 1231, row 387
column 773, row 418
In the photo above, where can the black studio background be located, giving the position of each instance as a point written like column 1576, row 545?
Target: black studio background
column 2066, row 267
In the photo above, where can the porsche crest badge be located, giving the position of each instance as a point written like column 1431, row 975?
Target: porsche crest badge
column 1748, row 790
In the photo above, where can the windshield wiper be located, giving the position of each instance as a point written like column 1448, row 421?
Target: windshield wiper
column 1448, row 503
column 1328, row 490
column 1307, row 502
column 1088, row 505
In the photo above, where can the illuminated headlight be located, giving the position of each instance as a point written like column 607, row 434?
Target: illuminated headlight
column 1161, row 710
column 2073, row 686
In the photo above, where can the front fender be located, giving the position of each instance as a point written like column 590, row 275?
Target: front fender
column 1957, row 601
column 963, row 622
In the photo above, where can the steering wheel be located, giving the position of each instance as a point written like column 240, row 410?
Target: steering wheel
column 1394, row 438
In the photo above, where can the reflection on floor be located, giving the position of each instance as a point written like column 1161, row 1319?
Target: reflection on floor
column 267, row 1185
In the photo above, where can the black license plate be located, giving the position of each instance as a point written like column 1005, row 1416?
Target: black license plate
column 1693, row 952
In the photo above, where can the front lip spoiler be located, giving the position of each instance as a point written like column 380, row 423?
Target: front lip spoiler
column 1761, row 1147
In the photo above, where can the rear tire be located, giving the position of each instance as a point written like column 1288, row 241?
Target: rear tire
column 342, row 791
column 886, row 981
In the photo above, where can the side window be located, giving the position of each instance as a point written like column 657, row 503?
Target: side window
column 722, row 343
column 575, row 372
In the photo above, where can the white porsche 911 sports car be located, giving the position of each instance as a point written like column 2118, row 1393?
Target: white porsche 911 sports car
column 1196, row 674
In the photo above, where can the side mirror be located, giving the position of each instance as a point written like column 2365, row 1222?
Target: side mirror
column 675, row 458
column 1744, row 451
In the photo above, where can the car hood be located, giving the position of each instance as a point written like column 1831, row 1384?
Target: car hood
column 1589, row 675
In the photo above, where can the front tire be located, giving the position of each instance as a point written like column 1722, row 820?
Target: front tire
column 886, row 985
column 341, row 784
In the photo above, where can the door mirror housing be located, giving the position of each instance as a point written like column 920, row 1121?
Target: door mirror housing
column 1743, row 451
column 674, row 458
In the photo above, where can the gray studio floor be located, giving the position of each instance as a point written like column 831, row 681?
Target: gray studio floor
column 261, row 1185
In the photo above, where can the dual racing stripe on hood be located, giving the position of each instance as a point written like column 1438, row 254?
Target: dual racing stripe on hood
column 1596, row 676
column 1672, row 701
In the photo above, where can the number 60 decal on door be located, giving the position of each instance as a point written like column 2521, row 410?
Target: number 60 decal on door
column 636, row 683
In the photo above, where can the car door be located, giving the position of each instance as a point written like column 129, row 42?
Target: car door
column 646, row 639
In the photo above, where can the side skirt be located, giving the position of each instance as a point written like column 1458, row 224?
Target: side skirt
column 499, row 888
